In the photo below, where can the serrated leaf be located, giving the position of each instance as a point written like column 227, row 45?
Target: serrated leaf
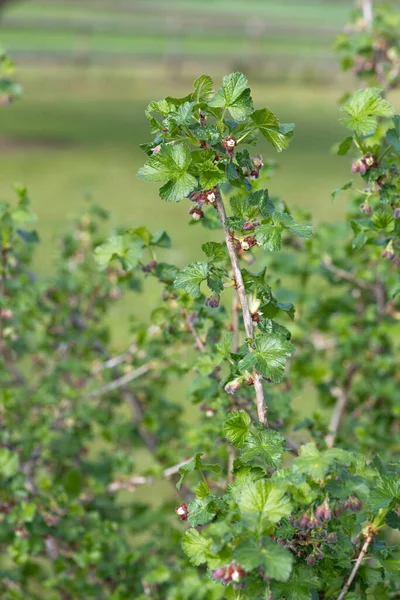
column 215, row 251
column 275, row 560
column 199, row 513
column 315, row 463
column 269, row 356
column 191, row 277
column 303, row 230
column 209, row 133
column 203, row 89
column 210, row 174
column 236, row 428
column 266, row 445
column 125, row 248
column 262, row 503
column 170, row 166
column 364, row 107
column 196, row 547
column 298, row 587
column 234, row 95
column 269, row 236
column 183, row 115
column 384, row 491
column 267, row 123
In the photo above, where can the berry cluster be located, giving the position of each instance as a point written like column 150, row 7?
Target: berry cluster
column 230, row 573
column 364, row 164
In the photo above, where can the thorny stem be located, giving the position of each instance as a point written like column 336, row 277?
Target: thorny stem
column 235, row 322
column 357, row 565
column 241, row 292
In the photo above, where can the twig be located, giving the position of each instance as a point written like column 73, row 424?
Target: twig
column 357, row 565
column 367, row 12
column 120, row 382
column 199, row 343
column 342, row 396
column 235, row 322
column 342, row 274
column 133, row 482
column 137, row 413
column 115, row 361
column 241, row 292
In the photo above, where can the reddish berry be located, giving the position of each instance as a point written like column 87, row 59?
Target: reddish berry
column 232, row 386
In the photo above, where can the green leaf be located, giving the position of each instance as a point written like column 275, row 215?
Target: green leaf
column 236, row 428
column 267, row 445
column 73, row 481
column 161, row 239
column 203, row 89
column 193, row 465
column 210, row 175
column 191, row 277
column 209, row 133
column 269, row 356
column 315, row 463
column 364, row 107
column 199, row 513
column 384, row 491
column 196, row 547
column 303, row 230
column 215, row 251
column 270, row 237
column 234, row 96
column 275, row 560
column 170, row 166
column 268, row 125
column 183, row 115
column 262, row 503
column 298, row 587
column 345, row 146
column 125, row 248
column 9, row 463
column 345, row 186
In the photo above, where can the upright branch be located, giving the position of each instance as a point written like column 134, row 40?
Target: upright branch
column 357, row 564
column 367, row 12
column 241, row 292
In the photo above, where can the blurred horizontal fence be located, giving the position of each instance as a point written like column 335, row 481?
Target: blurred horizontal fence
column 262, row 37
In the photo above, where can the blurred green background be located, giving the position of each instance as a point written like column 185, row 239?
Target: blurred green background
column 89, row 67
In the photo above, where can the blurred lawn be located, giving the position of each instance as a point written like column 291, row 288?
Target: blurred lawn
column 72, row 135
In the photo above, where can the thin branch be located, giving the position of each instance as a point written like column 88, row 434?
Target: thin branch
column 345, row 275
column 235, row 322
column 367, row 12
column 241, row 292
column 133, row 482
column 342, row 396
column 115, row 361
column 137, row 413
column 120, row 382
column 357, row 565
column 199, row 344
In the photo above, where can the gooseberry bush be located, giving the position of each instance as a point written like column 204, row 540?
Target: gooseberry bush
column 252, row 500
